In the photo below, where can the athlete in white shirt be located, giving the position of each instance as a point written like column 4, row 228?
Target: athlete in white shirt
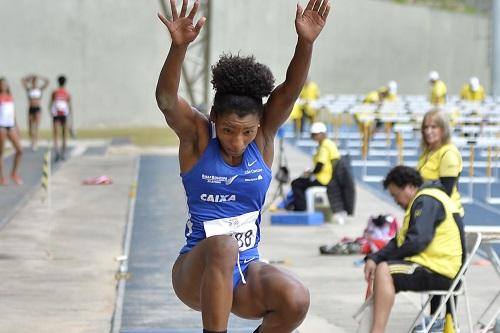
column 34, row 86
column 8, row 130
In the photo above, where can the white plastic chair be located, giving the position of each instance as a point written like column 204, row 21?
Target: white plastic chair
column 457, row 288
column 311, row 194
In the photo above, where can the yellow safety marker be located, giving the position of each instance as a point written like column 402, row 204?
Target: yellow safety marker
column 133, row 190
column 45, row 171
column 45, row 182
column 448, row 324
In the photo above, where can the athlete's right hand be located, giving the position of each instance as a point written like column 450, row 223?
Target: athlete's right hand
column 181, row 28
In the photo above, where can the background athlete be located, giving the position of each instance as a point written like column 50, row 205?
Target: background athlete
column 61, row 110
column 34, row 86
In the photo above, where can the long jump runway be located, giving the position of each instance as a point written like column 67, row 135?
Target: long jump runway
column 149, row 302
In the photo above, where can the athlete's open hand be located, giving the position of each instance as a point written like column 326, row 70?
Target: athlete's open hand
column 310, row 22
column 181, row 28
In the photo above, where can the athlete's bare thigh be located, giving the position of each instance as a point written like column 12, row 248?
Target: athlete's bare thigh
column 189, row 268
column 266, row 288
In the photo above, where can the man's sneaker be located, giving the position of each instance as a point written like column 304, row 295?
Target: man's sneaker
column 437, row 327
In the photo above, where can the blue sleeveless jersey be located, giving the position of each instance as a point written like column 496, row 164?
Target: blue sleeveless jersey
column 226, row 200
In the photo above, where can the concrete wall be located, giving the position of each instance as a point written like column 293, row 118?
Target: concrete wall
column 112, row 50
column 364, row 44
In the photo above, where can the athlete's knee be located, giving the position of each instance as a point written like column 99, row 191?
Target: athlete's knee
column 296, row 298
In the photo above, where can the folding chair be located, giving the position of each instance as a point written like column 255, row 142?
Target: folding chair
column 457, row 288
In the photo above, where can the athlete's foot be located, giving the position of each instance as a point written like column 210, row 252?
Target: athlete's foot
column 17, row 180
column 4, row 181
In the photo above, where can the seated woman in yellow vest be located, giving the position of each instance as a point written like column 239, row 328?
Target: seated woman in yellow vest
column 323, row 159
column 427, row 252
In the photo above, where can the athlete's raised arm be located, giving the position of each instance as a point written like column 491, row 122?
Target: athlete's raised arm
column 178, row 113
column 308, row 23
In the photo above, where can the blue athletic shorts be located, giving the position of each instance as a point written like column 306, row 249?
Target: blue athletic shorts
column 244, row 262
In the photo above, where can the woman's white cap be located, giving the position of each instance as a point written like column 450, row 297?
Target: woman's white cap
column 474, row 83
column 393, row 87
column 433, row 76
column 318, row 127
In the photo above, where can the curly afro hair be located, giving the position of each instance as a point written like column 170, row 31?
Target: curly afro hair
column 240, row 84
column 401, row 176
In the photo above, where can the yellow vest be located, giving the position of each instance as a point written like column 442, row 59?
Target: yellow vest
column 444, row 253
column 327, row 151
column 296, row 112
column 438, row 93
column 391, row 98
column 444, row 162
column 474, row 96
column 371, row 98
column 310, row 92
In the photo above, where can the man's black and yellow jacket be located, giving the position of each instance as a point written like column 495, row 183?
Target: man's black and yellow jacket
column 432, row 234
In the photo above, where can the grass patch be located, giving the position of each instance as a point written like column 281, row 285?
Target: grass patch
column 153, row 136
column 460, row 6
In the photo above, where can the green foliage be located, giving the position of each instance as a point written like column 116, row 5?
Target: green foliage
column 157, row 136
column 461, row 6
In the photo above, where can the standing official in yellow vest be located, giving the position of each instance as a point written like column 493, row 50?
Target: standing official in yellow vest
column 438, row 90
column 473, row 91
column 303, row 109
column 428, row 251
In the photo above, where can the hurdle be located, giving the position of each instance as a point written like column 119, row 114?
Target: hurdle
column 489, row 198
column 472, row 179
column 399, row 129
column 470, row 197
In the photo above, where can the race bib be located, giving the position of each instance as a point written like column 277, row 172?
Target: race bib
column 243, row 228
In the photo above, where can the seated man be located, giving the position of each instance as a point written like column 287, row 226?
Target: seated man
column 428, row 251
column 323, row 161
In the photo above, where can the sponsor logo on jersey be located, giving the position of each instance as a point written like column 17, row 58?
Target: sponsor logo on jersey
column 247, row 172
column 259, row 177
column 218, row 197
column 218, row 179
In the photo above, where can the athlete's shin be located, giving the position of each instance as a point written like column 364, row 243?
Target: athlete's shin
column 217, row 282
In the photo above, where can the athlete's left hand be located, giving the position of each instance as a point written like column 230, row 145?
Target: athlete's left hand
column 310, row 22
